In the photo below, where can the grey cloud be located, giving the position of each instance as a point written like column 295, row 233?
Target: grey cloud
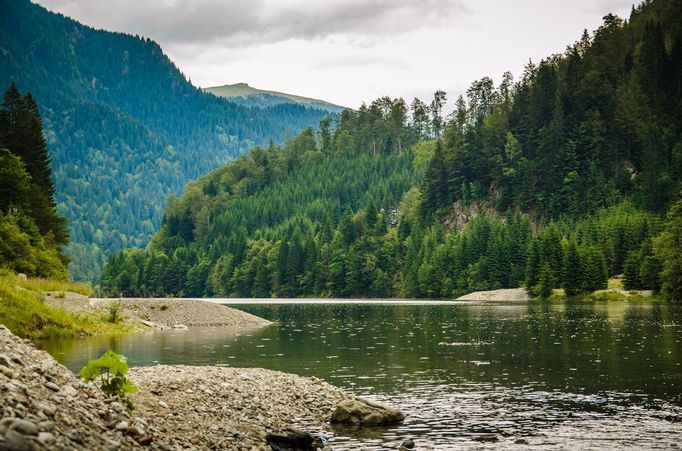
column 253, row 22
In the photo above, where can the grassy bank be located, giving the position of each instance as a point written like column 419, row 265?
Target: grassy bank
column 24, row 311
column 614, row 292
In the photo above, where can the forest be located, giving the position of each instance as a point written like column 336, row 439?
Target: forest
column 31, row 232
column 124, row 127
column 560, row 179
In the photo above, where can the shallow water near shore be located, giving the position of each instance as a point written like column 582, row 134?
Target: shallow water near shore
column 574, row 375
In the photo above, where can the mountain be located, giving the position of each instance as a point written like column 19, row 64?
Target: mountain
column 244, row 94
column 124, row 127
column 562, row 179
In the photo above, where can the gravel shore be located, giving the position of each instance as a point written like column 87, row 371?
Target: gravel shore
column 161, row 313
column 507, row 294
column 170, row 312
column 45, row 406
column 231, row 408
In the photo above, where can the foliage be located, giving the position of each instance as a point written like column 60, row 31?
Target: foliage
column 668, row 251
column 114, row 312
column 24, row 312
column 556, row 181
column 110, row 370
column 46, row 285
column 577, row 132
column 31, row 231
column 124, row 127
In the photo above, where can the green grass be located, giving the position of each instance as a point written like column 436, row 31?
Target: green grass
column 616, row 283
column 24, row 312
column 616, row 296
column 45, row 285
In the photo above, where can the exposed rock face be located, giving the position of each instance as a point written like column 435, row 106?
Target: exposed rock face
column 361, row 412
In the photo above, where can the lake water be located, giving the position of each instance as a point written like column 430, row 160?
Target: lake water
column 556, row 375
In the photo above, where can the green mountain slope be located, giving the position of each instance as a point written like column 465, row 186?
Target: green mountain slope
column 123, row 125
column 244, row 94
column 559, row 180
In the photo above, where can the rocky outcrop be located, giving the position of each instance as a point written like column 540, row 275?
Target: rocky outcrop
column 362, row 412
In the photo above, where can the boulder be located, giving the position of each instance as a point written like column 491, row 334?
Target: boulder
column 290, row 440
column 361, row 412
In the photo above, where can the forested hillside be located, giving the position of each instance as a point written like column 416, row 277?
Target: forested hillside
column 31, row 231
column 124, row 127
column 558, row 180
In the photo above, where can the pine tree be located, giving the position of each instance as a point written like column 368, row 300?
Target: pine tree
column 21, row 132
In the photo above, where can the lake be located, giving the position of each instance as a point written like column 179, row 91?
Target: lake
column 575, row 375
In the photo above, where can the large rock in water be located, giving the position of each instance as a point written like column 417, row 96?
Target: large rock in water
column 290, row 440
column 361, row 412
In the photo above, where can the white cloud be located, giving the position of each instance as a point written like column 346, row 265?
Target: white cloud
column 349, row 51
column 253, row 22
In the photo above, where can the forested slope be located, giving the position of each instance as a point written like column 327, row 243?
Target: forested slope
column 558, row 180
column 124, row 126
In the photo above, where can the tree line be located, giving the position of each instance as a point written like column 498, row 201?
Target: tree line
column 558, row 180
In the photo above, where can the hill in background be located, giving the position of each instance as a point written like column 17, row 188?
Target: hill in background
column 243, row 94
column 124, row 127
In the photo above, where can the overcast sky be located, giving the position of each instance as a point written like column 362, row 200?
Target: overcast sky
column 349, row 51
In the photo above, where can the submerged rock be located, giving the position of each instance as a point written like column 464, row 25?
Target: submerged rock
column 361, row 412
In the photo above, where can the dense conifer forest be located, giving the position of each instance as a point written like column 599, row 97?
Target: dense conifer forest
column 559, row 179
column 124, row 127
column 31, row 232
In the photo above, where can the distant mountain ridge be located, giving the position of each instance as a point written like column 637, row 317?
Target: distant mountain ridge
column 243, row 94
column 124, row 127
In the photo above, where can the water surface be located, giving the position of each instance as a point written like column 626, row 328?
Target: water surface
column 587, row 375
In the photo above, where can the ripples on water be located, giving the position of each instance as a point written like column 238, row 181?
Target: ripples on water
column 586, row 375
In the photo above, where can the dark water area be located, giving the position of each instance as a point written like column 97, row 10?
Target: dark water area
column 555, row 375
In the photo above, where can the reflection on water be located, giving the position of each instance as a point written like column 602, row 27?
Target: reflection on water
column 543, row 372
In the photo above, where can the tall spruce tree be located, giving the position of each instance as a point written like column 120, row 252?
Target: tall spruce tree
column 21, row 131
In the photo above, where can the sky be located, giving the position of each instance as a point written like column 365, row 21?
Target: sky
column 349, row 51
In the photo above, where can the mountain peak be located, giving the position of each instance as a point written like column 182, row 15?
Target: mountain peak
column 244, row 94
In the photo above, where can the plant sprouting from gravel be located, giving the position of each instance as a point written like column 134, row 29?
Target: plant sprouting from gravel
column 115, row 310
column 110, row 370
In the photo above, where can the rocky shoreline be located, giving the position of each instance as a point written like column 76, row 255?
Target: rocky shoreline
column 45, row 406
column 231, row 408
